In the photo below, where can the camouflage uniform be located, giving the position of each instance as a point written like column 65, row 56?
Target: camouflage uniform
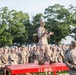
column 13, row 58
column 0, row 58
column 59, row 55
column 31, row 57
column 24, row 55
column 37, row 53
column 43, row 43
column 5, row 56
column 70, row 61
column 53, row 57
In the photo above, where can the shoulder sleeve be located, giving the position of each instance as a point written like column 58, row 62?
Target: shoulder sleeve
column 67, row 61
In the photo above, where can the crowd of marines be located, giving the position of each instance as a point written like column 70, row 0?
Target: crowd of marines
column 24, row 54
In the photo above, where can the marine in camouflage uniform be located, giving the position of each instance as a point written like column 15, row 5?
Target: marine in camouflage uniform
column 5, row 55
column 0, row 58
column 31, row 55
column 43, row 35
column 13, row 58
column 70, row 59
column 24, row 55
column 60, row 54
column 53, row 57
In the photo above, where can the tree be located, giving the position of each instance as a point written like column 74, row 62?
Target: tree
column 57, row 21
column 12, row 28
column 5, row 37
column 17, row 27
column 72, row 10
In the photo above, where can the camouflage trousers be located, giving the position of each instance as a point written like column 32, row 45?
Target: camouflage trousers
column 44, row 51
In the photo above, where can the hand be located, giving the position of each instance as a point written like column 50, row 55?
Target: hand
column 51, row 33
column 45, row 32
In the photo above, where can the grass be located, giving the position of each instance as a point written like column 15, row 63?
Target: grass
column 51, row 73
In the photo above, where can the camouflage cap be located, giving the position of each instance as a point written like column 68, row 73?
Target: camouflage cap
column 16, row 47
column 23, row 45
column 12, row 49
column 6, row 47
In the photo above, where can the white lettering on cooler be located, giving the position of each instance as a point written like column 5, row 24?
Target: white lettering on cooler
column 45, row 69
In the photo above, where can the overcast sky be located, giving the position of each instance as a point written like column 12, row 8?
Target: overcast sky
column 33, row 7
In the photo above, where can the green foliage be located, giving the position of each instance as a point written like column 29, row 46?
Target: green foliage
column 58, row 21
column 15, row 26
column 36, row 19
column 12, row 28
